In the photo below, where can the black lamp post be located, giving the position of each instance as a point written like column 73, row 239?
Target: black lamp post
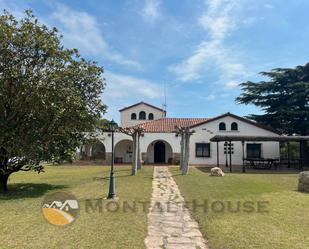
column 112, row 191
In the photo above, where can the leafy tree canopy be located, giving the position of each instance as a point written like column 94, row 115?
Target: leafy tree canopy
column 284, row 98
column 104, row 124
column 49, row 95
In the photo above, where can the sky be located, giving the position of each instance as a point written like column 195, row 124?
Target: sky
column 201, row 50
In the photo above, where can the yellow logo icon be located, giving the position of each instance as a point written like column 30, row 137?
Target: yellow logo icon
column 60, row 208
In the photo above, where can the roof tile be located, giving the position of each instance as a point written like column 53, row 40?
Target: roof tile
column 168, row 124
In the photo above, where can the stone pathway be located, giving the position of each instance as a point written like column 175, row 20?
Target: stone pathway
column 170, row 225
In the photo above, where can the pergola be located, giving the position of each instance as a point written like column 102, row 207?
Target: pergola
column 243, row 139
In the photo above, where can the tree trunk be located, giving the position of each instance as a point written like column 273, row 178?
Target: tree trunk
column 4, row 159
column 185, row 168
column 134, row 155
column 181, row 151
column 81, row 157
column 139, row 162
column 4, row 182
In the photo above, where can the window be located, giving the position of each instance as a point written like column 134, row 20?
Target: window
column 133, row 116
column 234, row 126
column 254, row 150
column 142, row 115
column 222, row 127
column 150, row 116
column 202, row 149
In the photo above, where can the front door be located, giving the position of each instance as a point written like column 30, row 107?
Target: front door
column 159, row 152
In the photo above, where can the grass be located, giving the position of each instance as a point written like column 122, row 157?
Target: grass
column 284, row 226
column 22, row 225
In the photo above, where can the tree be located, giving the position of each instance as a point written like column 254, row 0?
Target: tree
column 135, row 133
column 49, row 96
column 104, row 123
column 185, row 134
column 284, row 98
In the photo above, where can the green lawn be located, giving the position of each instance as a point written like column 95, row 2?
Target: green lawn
column 285, row 226
column 22, row 225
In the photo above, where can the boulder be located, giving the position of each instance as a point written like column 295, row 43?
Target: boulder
column 303, row 181
column 216, row 171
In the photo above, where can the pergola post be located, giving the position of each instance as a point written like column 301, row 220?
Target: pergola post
column 289, row 155
column 243, row 156
column 227, row 139
column 301, row 155
column 217, row 153
column 230, row 151
column 226, row 153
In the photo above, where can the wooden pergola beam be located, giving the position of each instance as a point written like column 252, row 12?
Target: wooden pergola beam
column 222, row 138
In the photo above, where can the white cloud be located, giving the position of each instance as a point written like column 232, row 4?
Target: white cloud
column 269, row 6
column 16, row 9
column 81, row 30
column 215, row 96
column 189, row 68
column 151, row 9
column 123, row 90
column 119, row 85
column 232, row 84
column 219, row 21
column 210, row 97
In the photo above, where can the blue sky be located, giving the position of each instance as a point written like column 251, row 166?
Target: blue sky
column 201, row 49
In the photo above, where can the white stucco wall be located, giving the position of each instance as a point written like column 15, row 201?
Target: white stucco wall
column 172, row 144
column 150, row 152
column 170, row 138
column 125, row 116
column 146, row 144
column 202, row 134
column 123, row 151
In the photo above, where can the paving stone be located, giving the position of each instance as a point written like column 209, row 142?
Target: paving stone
column 193, row 233
column 178, row 240
column 180, row 246
column 170, row 224
column 154, row 241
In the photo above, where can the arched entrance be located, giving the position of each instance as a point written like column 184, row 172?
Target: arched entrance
column 159, row 152
column 123, row 151
column 98, row 151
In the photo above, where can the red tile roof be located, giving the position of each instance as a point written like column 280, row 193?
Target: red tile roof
column 168, row 124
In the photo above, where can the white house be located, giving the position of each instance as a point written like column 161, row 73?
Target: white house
column 160, row 143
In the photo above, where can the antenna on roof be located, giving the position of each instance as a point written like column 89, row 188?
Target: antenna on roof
column 164, row 104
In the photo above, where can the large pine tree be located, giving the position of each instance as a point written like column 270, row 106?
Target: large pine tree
column 284, row 99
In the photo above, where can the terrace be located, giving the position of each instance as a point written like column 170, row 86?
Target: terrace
column 264, row 163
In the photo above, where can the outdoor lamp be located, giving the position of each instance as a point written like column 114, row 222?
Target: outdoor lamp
column 112, row 192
